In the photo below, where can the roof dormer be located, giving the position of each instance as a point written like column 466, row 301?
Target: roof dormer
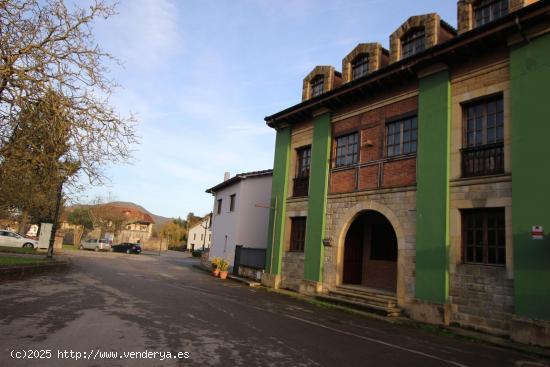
column 364, row 59
column 418, row 33
column 475, row 13
column 320, row 80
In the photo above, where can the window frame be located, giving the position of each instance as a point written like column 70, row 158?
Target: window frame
column 345, row 152
column 232, row 198
column 298, row 227
column 499, row 230
column 219, row 206
column 413, row 136
column 413, row 42
column 300, row 165
column 483, row 130
column 317, row 85
column 361, row 63
column 479, row 8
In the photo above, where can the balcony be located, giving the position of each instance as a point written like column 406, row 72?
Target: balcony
column 483, row 161
column 301, row 186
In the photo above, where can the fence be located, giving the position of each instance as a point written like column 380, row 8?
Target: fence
column 248, row 257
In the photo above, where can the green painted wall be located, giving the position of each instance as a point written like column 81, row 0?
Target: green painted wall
column 530, row 131
column 432, row 211
column 279, row 190
column 318, row 188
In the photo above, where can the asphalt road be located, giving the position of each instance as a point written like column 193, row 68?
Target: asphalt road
column 141, row 303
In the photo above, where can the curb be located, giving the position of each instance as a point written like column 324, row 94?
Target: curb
column 451, row 331
column 250, row 283
column 20, row 270
column 407, row 322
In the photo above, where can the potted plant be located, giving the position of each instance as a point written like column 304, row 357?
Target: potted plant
column 215, row 266
column 223, row 266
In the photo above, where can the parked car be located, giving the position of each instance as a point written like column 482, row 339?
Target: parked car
column 96, row 245
column 128, row 247
column 13, row 239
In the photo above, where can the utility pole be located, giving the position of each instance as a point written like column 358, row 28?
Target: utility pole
column 274, row 208
column 206, row 226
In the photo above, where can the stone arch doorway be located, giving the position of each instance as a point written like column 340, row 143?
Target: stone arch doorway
column 370, row 252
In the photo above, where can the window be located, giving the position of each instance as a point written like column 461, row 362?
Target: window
column 488, row 10
column 317, row 85
column 413, row 42
column 194, row 236
column 202, row 236
column 301, row 180
column 209, row 237
column 359, row 66
column 483, row 152
column 401, row 137
column 232, row 202
column 219, row 209
column 347, row 149
column 297, row 234
column 483, row 236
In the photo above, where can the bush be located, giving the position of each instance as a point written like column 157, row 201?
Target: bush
column 196, row 253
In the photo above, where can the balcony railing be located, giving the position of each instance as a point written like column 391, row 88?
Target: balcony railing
column 483, row 161
column 301, row 186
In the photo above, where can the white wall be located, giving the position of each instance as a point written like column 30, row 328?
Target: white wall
column 197, row 234
column 253, row 221
column 247, row 224
column 224, row 225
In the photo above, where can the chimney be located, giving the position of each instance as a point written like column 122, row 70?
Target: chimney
column 226, row 176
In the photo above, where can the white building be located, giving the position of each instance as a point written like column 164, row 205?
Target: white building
column 200, row 235
column 241, row 213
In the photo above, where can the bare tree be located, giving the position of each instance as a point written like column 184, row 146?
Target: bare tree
column 46, row 47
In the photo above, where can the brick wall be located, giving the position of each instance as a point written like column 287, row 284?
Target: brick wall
column 343, row 181
column 399, row 173
column 379, row 173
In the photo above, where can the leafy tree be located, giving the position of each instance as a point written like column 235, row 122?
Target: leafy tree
column 81, row 219
column 34, row 162
column 173, row 232
column 44, row 47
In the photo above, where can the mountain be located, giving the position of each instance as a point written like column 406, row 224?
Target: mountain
column 159, row 220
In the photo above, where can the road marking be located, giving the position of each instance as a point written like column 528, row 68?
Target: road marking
column 414, row 351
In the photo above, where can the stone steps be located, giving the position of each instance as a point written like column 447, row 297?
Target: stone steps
column 380, row 302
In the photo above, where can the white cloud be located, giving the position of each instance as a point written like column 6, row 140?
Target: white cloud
column 144, row 33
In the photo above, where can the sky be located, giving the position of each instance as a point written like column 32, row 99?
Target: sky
column 201, row 75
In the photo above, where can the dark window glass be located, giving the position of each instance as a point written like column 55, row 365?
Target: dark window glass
column 483, row 152
column 483, row 236
column 401, row 137
column 232, row 202
column 297, row 234
column 301, row 180
column 413, row 42
column 219, row 209
column 488, row 10
column 304, row 162
column 360, row 66
column 347, row 150
column 317, row 85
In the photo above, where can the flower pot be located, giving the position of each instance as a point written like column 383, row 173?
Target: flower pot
column 216, row 272
column 223, row 274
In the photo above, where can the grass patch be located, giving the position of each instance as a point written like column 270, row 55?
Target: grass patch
column 17, row 250
column 20, row 260
column 69, row 247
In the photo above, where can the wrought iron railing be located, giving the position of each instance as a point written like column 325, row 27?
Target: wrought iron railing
column 483, row 161
column 301, row 186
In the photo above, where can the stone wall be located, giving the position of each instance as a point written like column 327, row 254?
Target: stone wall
column 292, row 270
column 398, row 206
column 430, row 23
column 378, row 58
column 482, row 298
